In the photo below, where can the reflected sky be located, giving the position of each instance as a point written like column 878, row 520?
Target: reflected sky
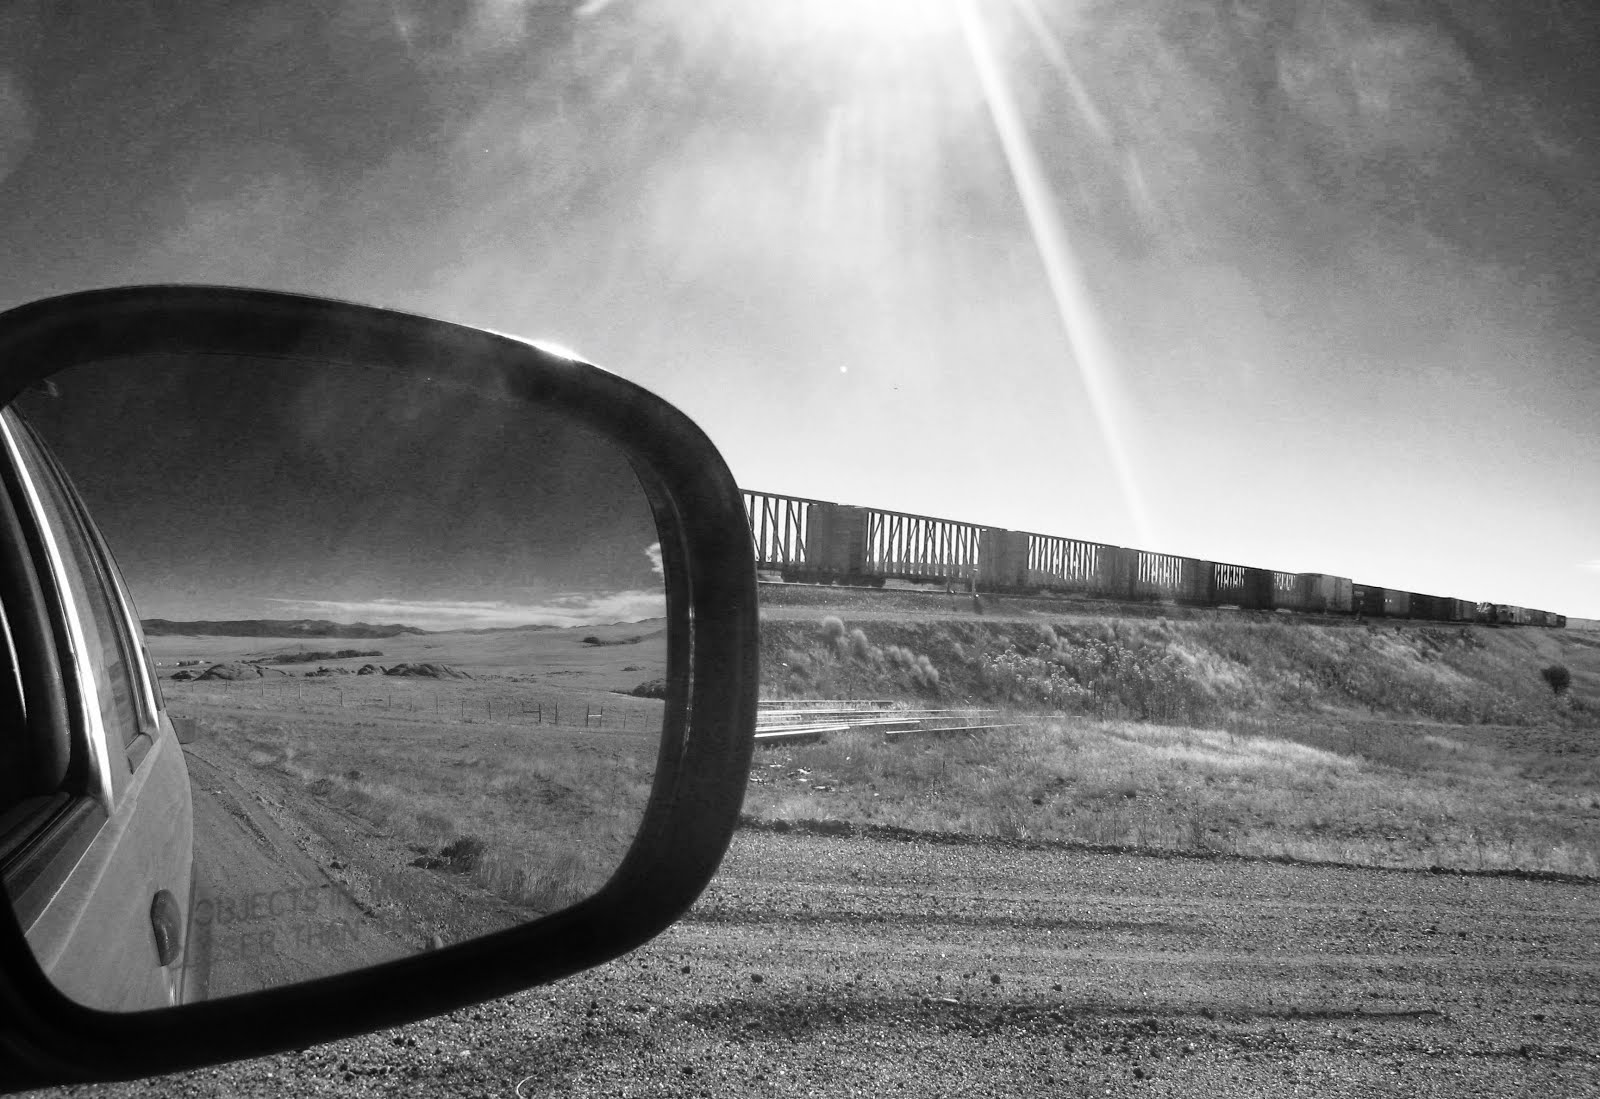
column 253, row 489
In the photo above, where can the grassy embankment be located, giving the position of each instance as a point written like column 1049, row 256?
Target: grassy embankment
column 1243, row 734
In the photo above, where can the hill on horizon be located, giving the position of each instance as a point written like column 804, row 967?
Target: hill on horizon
column 305, row 627
column 269, row 627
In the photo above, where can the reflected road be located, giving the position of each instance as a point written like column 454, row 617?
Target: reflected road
column 263, row 913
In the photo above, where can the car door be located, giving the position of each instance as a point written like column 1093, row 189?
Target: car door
column 96, row 832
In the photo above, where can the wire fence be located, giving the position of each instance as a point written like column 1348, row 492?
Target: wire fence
column 462, row 705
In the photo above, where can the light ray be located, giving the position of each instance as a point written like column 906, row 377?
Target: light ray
column 1056, row 54
column 1091, row 354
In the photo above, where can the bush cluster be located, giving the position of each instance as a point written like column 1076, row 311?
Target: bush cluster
column 1031, row 677
column 915, row 665
column 855, row 647
column 848, row 662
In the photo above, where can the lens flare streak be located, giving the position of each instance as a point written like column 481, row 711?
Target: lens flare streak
column 1093, row 117
column 1096, row 366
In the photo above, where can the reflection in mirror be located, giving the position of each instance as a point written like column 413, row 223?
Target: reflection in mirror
column 411, row 639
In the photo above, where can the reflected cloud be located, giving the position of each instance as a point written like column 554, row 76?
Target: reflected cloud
column 561, row 610
column 653, row 551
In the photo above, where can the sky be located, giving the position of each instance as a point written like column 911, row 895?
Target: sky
column 1305, row 285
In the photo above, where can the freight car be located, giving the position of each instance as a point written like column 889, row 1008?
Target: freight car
column 1328, row 594
column 818, row 541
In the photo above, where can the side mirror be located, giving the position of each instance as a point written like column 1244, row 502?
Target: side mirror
column 441, row 685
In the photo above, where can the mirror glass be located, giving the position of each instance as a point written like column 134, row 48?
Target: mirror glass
column 408, row 648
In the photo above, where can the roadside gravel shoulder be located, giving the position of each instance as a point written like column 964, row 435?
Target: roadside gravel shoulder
column 841, row 966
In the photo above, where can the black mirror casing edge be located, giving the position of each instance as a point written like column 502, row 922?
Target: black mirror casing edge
column 706, row 744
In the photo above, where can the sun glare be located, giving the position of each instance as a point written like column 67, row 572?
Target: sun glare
column 828, row 33
column 550, row 347
column 895, row 20
column 886, row 129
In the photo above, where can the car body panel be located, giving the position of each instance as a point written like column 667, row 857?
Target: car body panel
column 94, row 938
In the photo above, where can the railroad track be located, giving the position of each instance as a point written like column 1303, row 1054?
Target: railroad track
column 810, row 719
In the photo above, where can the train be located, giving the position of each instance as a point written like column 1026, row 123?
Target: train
column 818, row 541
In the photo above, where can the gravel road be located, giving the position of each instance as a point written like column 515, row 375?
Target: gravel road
column 844, row 966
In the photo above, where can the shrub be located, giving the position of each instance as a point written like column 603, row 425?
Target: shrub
column 1558, row 677
column 463, row 853
column 832, row 628
column 654, row 688
column 860, row 647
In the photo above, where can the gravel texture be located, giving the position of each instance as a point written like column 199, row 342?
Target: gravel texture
column 848, row 966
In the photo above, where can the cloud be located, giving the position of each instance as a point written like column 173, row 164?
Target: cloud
column 450, row 34
column 1592, row 566
column 566, row 609
column 246, row 213
column 653, row 551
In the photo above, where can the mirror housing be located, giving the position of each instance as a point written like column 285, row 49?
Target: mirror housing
column 708, row 565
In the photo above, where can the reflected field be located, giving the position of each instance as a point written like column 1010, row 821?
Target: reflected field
column 344, row 819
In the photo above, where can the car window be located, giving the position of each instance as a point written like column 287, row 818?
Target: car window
column 14, row 784
column 117, row 608
column 112, row 720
